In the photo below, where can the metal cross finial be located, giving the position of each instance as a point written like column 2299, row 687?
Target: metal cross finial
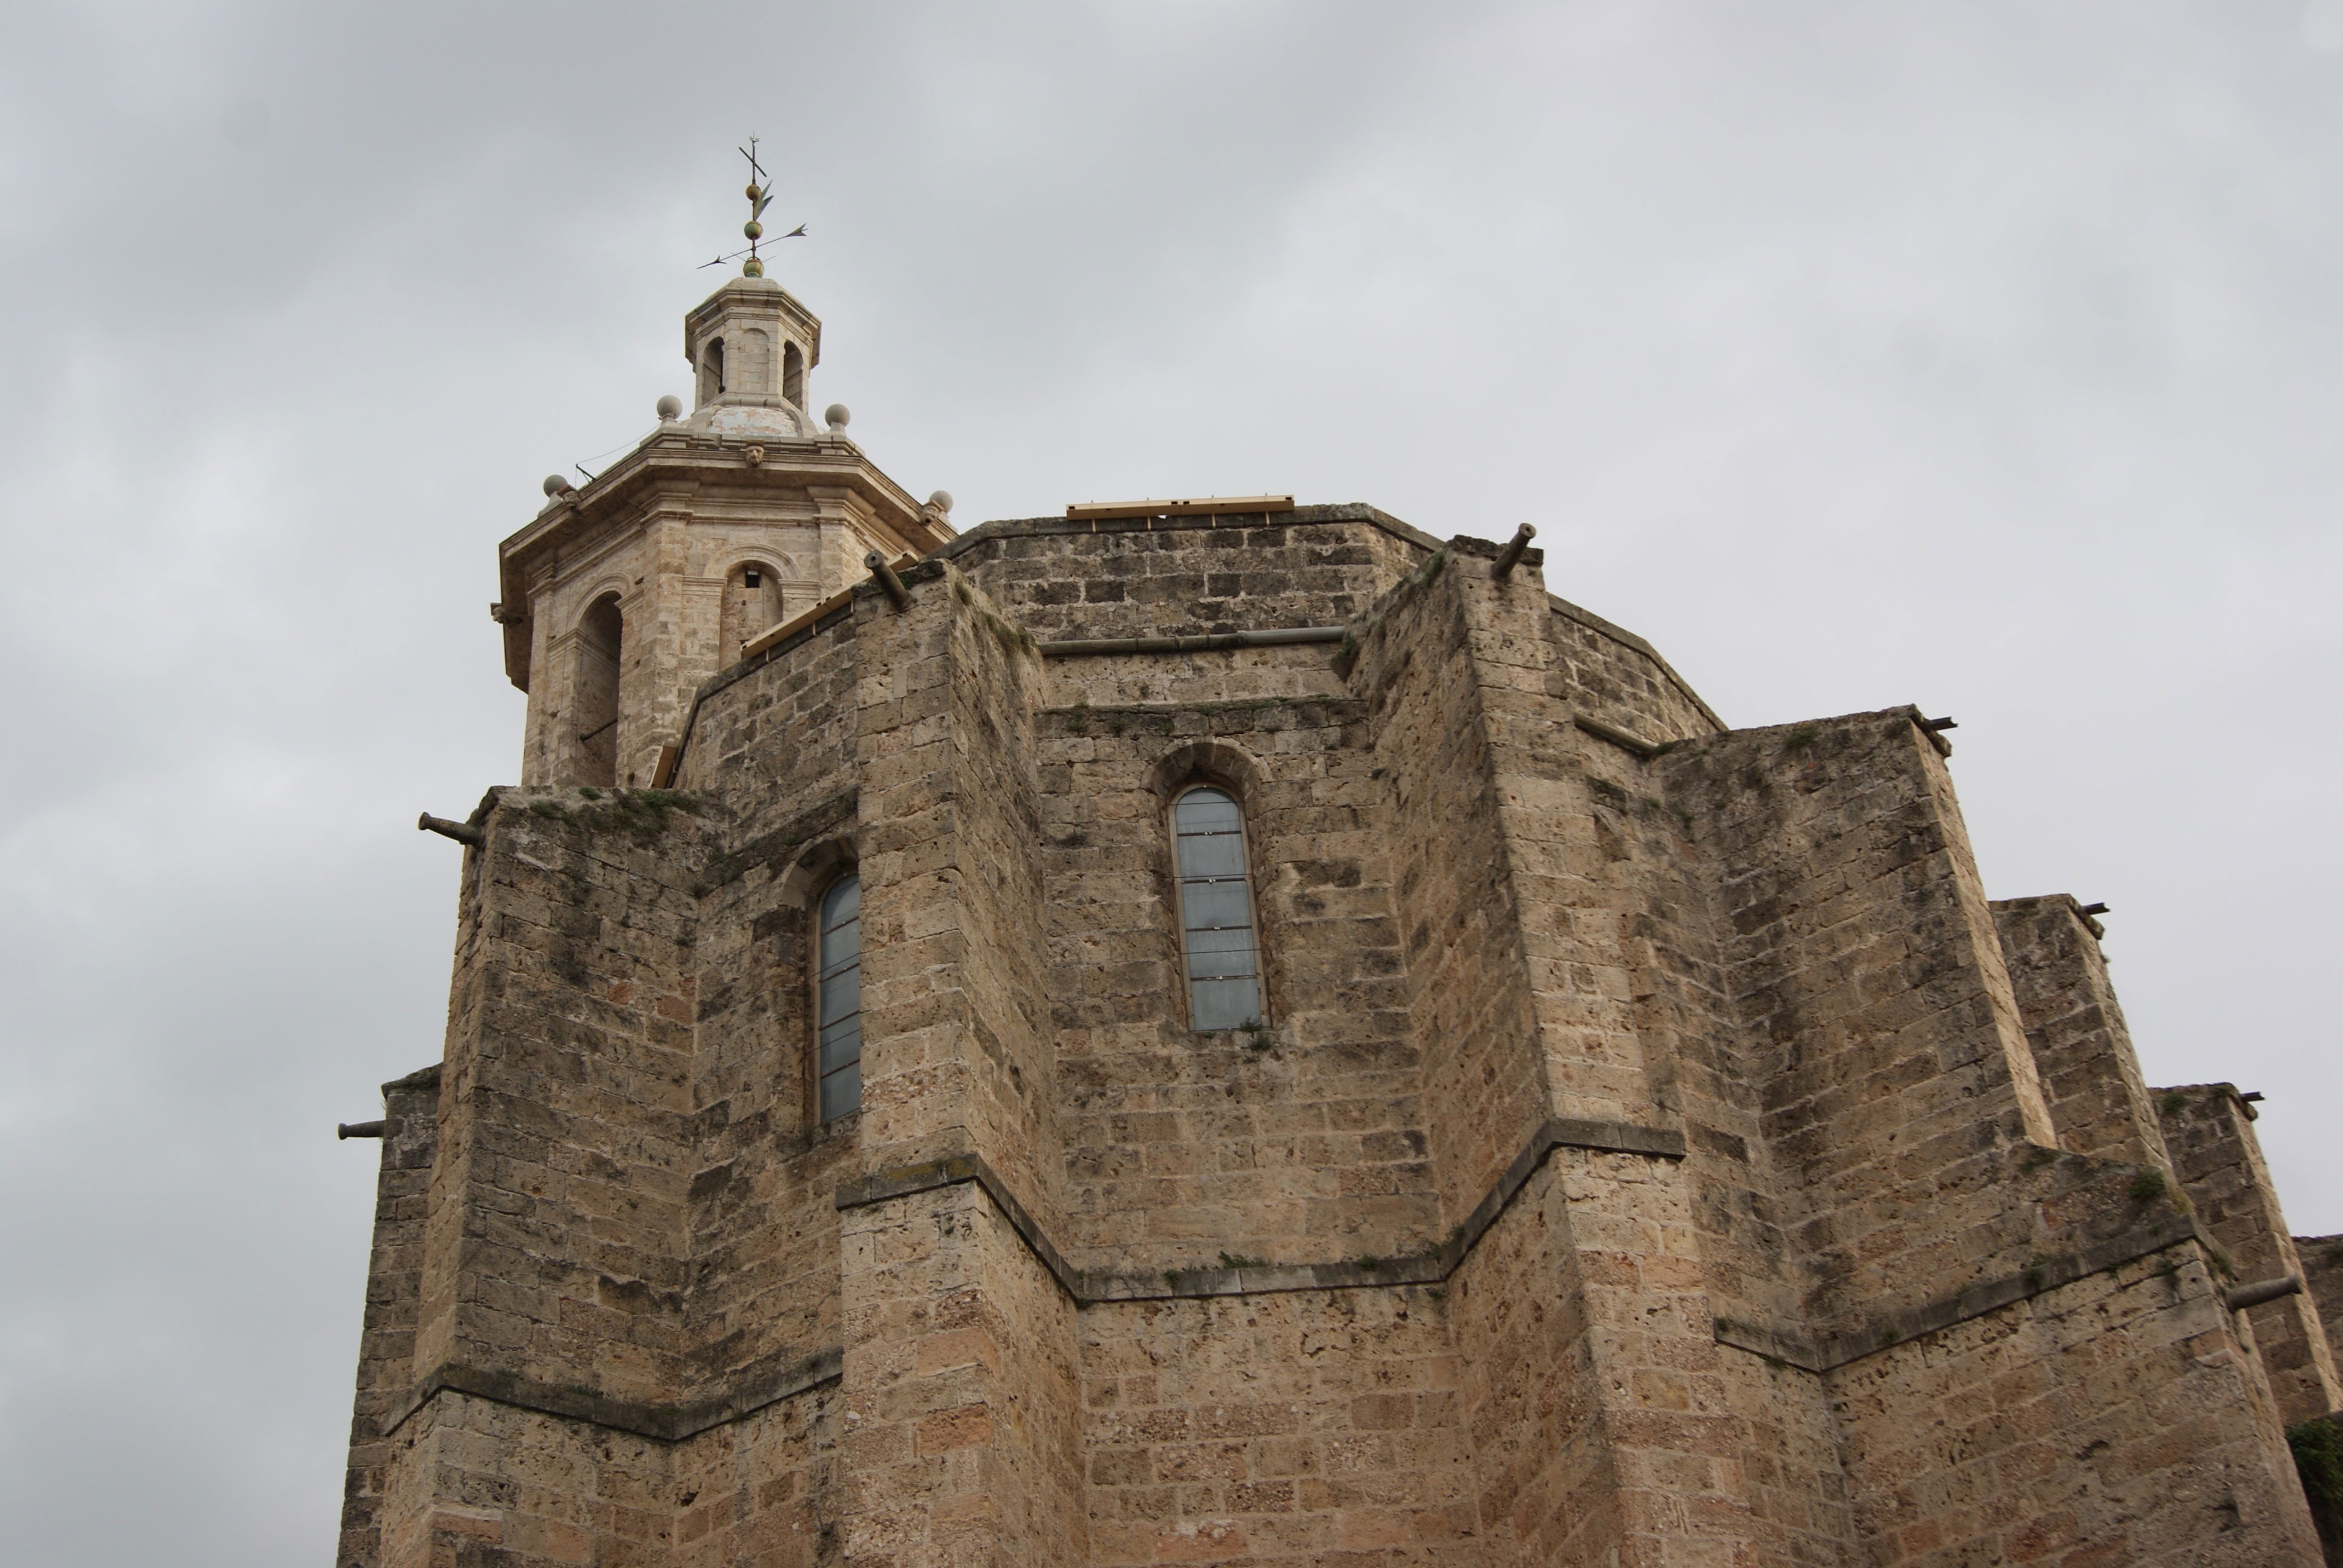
column 759, row 195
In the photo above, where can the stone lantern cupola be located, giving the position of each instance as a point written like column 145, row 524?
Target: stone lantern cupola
column 717, row 527
column 751, row 346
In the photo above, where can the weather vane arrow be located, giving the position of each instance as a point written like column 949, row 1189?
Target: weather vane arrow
column 761, row 195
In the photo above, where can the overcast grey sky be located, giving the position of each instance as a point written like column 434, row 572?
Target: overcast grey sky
column 1981, row 355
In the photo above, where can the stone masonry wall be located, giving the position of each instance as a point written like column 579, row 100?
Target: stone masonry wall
column 1546, row 1482
column 1646, row 910
column 1595, row 669
column 1641, row 874
column 478, row 1482
column 2098, row 1101
column 393, row 1299
column 1462, row 930
column 555, row 1249
column 956, row 1053
column 764, row 1490
column 1582, row 899
column 960, row 1362
column 1573, row 911
column 1786, row 1440
column 1297, row 1428
column 1301, row 1142
column 1896, row 1150
column 1598, row 1403
column 1896, row 1087
column 961, row 1391
column 1315, row 565
column 774, row 737
column 2209, row 1130
column 2115, row 1419
column 776, row 746
column 563, row 1217
column 475, row 1480
column 2322, row 1275
column 1140, row 577
column 1657, row 1151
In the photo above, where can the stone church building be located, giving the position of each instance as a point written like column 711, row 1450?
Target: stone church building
column 1243, row 1033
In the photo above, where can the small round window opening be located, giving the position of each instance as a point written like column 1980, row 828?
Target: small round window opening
column 1216, row 927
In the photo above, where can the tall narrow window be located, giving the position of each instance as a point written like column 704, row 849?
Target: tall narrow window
column 840, row 1000
column 793, row 374
column 1216, row 910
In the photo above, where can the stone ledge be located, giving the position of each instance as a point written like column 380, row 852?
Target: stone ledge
column 667, row 1423
column 1031, row 528
column 421, row 1078
column 1793, row 1349
column 1087, row 1288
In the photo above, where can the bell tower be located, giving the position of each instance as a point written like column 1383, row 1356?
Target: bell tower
column 621, row 597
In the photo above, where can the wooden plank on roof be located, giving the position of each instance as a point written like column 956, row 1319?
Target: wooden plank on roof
column 1187, row 508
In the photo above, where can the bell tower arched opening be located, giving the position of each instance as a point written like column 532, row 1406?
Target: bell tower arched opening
column 711, row 370
column 793, row 374
column 593, row 705
column 752, row 603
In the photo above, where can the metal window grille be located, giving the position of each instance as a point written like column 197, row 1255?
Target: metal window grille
column 839, row 996
column 1216, row 911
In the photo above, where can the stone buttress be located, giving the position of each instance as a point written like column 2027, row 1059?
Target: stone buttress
column 1653, row 1147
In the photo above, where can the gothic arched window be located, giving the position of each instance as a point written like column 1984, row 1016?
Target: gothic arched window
column 838, row 997
column 1216, row 927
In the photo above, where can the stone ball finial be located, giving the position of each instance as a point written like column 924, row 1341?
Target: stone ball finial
column 554, row 485
column 836, row 417
column 940, row 500
column 669, row 406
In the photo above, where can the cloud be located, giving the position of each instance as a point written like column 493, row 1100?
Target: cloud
column 1981, row 355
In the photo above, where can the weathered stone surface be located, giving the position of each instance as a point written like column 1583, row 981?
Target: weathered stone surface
column 1653, row 1147
column 2218, row 1160
column 2090, row 1077
column 2322, row 1273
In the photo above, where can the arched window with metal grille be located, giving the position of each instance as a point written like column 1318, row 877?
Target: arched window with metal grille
column 1216, row 917
column 838, row 995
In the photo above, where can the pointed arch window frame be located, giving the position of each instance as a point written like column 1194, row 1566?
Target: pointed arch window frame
column 1206, row 935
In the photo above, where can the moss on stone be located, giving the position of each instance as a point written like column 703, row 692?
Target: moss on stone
column 2317, row 1446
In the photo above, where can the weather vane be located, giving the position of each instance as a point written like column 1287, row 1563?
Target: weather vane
column 760, row 194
